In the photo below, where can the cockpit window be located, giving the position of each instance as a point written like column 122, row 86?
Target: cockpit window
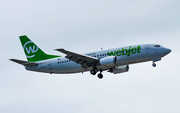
column 157, row 45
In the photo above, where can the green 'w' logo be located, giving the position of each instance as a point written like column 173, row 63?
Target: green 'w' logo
column 33, row 52
column 30, row 49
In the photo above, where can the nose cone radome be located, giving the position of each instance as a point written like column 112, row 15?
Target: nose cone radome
column 167, row 50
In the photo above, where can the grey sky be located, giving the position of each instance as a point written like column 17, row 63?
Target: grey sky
column 86, row 26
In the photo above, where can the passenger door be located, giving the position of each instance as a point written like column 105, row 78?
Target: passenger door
column 147, row 49
column 50, row 66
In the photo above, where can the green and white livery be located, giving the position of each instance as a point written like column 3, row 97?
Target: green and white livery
column 115, row 60
column 33, row 52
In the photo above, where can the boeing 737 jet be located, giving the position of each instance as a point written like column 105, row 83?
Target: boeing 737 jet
column 113, row 60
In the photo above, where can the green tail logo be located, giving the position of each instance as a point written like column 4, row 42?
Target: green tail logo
column 33, row 52
column 30, row 49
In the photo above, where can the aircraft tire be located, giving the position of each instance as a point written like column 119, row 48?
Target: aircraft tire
column 154, row 65
column 93, row 72
column 100, row 76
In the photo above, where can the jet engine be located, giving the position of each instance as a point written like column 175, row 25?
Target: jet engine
column 119, row 69
column 108, row 61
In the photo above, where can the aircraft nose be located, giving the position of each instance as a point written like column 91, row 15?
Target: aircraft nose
column 167, row 50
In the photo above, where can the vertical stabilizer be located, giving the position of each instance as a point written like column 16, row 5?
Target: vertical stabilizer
column 32, row 51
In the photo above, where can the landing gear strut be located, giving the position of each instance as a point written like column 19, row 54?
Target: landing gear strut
column 100, row 75
column 155, row 60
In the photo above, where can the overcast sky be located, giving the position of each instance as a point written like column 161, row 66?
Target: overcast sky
column 84, row 26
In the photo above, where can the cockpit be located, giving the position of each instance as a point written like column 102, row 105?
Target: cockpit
column 157, row 45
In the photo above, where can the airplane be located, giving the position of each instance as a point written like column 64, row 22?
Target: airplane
column 115, row 60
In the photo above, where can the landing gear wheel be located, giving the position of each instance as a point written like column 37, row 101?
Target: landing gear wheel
column 154, row 65
column 93, row 72
column 100, row 76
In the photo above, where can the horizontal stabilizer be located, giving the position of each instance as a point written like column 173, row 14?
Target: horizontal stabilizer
column 25, row 63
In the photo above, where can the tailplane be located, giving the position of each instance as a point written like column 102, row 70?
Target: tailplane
column 25, row 63
column 33, row 52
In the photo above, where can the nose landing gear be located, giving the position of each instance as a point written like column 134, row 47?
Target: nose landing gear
column 155, row 60
column 154, row 65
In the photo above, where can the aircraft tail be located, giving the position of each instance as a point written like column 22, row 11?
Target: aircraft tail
column 25, row 63
column 32, row 51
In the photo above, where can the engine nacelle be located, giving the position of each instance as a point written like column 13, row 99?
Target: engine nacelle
column 108, row 61
column 119, row 69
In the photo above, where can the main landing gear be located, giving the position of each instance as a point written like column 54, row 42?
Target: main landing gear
column 100, row 75
column 93, row 72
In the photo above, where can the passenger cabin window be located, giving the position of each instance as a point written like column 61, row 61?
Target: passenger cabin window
column 157, row 45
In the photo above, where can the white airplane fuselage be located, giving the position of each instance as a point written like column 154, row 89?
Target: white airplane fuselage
column 140, row 53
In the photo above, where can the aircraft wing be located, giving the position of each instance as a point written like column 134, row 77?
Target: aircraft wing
column 25, row 63
column 84, row 60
